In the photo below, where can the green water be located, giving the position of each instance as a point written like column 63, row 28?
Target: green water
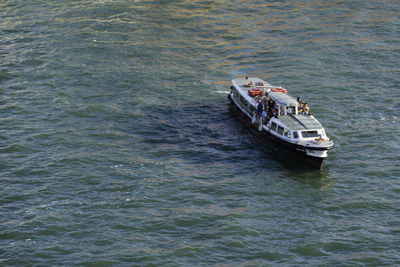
column 118, row 146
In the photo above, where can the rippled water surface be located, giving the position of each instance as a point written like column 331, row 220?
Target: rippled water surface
column 118, row 146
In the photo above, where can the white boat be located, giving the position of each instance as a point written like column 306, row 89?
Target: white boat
column 287, row 125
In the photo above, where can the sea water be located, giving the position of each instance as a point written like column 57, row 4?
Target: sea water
column 118, row 146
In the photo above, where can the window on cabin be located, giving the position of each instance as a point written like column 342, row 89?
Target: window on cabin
column 242, row 101
column 307, row 134
column 295, row 135
column 287, row 133
column 273, row 126
column 280, row 130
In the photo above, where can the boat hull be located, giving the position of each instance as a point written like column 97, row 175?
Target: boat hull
column 298, row 151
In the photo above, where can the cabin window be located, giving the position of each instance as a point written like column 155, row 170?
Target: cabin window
column 287, row 133
column 306, row 134
column 280, row 130
column 295, row 135
column 273, row 126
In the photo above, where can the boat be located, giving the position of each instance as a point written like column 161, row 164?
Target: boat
column 281, row 119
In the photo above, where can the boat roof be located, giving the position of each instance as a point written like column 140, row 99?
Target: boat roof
column 243, row 82
column 283, row 99
column 300, row 122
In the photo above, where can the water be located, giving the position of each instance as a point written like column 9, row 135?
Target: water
column 118, row 146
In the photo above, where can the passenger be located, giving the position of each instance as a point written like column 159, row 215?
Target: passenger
column 271, row 108
column 265, row 101
column 260, row 108
column 281, row 111
column 306, row 109
column 299, row 101
column 250, row 84
column 299, row 105
column 271, row 104
column 264, row 115
column 274, row 109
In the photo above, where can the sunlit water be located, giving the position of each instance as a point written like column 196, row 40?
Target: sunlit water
column 118, row 146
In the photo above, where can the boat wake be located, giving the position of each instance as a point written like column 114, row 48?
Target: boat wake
column 222, row 92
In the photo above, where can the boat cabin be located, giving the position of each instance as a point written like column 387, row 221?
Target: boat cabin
column 290, row 124
column 285, row 103
column 296, row 127
column 287, row 123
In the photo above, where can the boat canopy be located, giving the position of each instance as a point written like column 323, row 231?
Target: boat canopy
column 300, row 122
column 283, row 99
column 244, row 83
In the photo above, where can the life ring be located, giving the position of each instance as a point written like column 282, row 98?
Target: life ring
column 279, row 89
column 256, row 92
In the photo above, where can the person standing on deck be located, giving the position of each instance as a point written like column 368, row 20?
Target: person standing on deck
column 260, row 108
column 264, row 116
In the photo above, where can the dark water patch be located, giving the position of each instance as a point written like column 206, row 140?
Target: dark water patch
column 119, row 146
column 4, row 76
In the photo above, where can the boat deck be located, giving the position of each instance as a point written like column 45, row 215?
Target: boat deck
column 243, row 83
